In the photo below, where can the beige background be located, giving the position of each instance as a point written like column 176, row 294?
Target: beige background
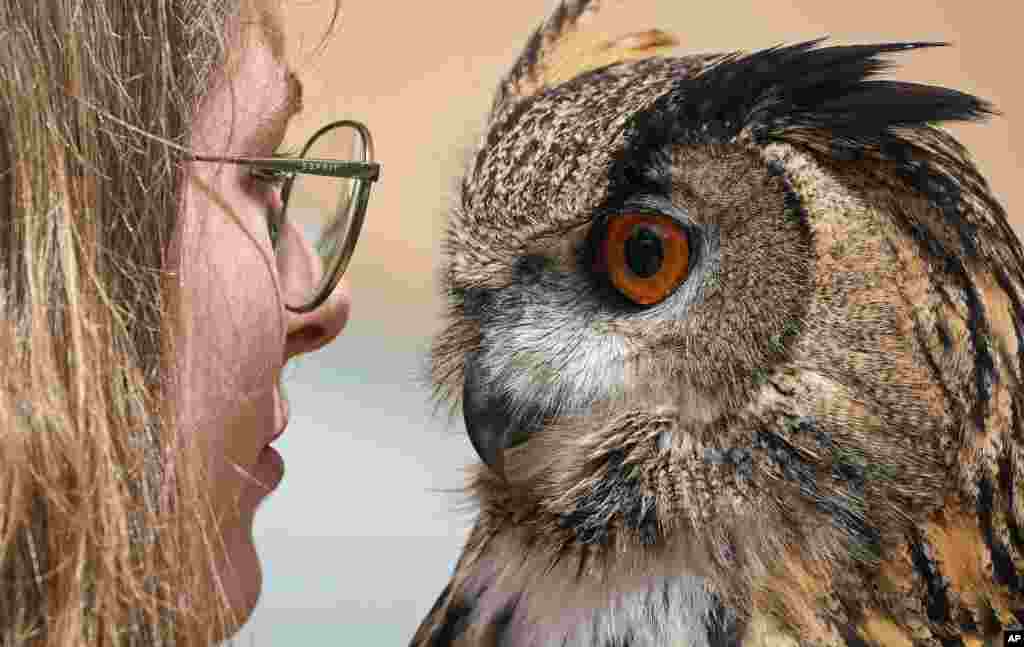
column 358, row 541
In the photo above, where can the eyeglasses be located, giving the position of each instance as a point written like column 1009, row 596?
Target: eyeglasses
column 324, row 197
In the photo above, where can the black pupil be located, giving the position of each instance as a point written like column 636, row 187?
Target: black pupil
column 644, row 252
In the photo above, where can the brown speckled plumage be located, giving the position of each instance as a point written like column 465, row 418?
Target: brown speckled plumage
column 815, row 439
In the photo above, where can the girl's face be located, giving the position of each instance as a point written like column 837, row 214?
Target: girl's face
column 237, row 334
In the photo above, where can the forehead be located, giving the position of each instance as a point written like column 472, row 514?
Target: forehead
column 257, row 26
column 254, row 94
column 269, row 25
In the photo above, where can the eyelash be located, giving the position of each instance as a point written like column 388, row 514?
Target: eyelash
column 269, row 177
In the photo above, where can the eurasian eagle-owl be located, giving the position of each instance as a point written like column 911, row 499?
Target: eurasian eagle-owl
column 738, row 338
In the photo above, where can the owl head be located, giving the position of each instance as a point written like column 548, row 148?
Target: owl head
column 742, row 301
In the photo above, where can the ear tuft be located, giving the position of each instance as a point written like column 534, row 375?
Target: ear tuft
column 634, row 46
column 561, row 49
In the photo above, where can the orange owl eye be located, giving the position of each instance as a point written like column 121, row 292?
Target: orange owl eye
column 645, row 255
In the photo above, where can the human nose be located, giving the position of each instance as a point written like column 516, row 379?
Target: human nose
column 300, row 270
column 309, row 331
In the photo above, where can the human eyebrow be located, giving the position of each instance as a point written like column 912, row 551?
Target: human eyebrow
column 293, row 101
column 271, row 126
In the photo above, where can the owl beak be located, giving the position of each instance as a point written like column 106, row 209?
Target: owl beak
column 487, row 419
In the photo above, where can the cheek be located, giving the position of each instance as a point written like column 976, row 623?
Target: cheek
column 232, row 345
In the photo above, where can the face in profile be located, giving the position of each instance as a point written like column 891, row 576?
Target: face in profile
column 237, row 333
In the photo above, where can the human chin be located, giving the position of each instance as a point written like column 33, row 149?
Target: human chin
column 240, row 571
column 239, row 567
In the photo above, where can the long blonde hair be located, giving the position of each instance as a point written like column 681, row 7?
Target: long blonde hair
column 104, row 528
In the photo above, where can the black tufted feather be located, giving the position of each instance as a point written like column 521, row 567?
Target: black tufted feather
column 795, row 92
column 823, row 88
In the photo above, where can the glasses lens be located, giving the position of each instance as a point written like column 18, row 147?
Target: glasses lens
column 325, row 210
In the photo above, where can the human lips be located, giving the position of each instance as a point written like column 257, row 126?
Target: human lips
column 270, row 464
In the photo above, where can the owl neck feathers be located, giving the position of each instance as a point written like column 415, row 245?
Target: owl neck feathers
column 592, row 533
